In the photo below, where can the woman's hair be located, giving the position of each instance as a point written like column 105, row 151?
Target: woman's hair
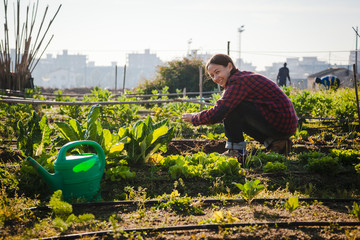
column 221, row 59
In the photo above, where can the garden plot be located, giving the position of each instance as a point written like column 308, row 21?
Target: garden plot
column 168, row 187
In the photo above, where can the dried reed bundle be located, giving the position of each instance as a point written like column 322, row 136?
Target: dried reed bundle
column 15, row 74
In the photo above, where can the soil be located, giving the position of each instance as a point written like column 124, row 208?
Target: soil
column 136, row 217
column 153, row 217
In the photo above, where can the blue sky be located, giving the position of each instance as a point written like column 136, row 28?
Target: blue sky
column 274, row 29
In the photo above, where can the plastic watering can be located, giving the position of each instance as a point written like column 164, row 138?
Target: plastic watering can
column 78, row 176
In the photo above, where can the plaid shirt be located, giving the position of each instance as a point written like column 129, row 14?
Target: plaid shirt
column 272, row 102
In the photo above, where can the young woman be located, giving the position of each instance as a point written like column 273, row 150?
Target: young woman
column 251, row 104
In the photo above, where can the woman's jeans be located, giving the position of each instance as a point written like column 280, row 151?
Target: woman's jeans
column 246, row 118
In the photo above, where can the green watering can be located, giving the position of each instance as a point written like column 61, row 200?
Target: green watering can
column 78, row 176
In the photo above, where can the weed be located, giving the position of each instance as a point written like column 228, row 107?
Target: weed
column 179, row 204
column 219, row 218
column 12, row 211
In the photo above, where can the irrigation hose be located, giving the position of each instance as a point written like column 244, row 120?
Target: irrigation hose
column 204, row 201
column 210, row 227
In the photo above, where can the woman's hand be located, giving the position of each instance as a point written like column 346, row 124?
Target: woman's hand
column 187, row 116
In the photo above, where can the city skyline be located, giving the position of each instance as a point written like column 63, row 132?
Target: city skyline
column 106, row 31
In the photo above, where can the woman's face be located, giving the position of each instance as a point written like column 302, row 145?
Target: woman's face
column 219, row 74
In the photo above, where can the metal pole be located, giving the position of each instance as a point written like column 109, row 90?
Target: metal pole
column 356, row 92
column 124, row 79
column 355, row 72
column 356, row 49
column 228, row 48
column 240, row 30
column 201, row 87
column 116, row 78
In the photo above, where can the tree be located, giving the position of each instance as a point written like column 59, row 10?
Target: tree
column 180, row 74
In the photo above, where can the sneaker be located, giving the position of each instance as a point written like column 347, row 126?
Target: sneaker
column 282, row 146
column 235, row 153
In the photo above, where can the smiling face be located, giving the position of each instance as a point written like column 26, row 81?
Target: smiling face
column 219, row 74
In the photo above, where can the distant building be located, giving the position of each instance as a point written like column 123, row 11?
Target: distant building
column 244, row 66
column 68, row 71
column 140, row 66
column 64, row 71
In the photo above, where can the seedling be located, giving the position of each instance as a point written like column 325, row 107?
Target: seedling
column 292, row 203
column 355, row 211
column 250, row 189
column 218, row 217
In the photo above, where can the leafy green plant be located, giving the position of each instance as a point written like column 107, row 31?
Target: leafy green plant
column 179, row 204
column 145, row 138
column 327, row 165
column 201, row 165
column 59, row 207
column 291, row 204
column 92, row 130
column 301, row 134
column 72, row 111
column 260, row 159
column 12, row 114
column 219, row 218
column 250, row 189
column 305, row 156
column 357, row 168
column 274, row 167
column 64, row 218
column 119, row 173
column 346, row 156
column 34, row 135
column 212, row 136
column 355, row 211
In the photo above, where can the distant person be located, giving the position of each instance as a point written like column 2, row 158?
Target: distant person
column 329, row 81
column 251, row 104
column 282, row 76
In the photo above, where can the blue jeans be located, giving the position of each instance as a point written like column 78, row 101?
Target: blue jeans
column 246, row 118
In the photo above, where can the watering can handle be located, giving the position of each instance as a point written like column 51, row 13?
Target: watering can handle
column 69, row 145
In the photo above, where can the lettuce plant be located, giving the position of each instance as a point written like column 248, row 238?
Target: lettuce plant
column 91, row 130
column 145, row 138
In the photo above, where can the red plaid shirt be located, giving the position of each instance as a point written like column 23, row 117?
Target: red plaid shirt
column 273, row 103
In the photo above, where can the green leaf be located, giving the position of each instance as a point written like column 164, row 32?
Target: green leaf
column 117, row 148
column 292, row 203
column 139, row 131
column 91, row 132
column 107, row 137
column 45, row 139
column 158, row 133
column 76, row 126
column 93, row 114
column 67, row 131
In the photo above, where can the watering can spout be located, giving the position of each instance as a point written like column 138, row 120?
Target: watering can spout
column 53, row 180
